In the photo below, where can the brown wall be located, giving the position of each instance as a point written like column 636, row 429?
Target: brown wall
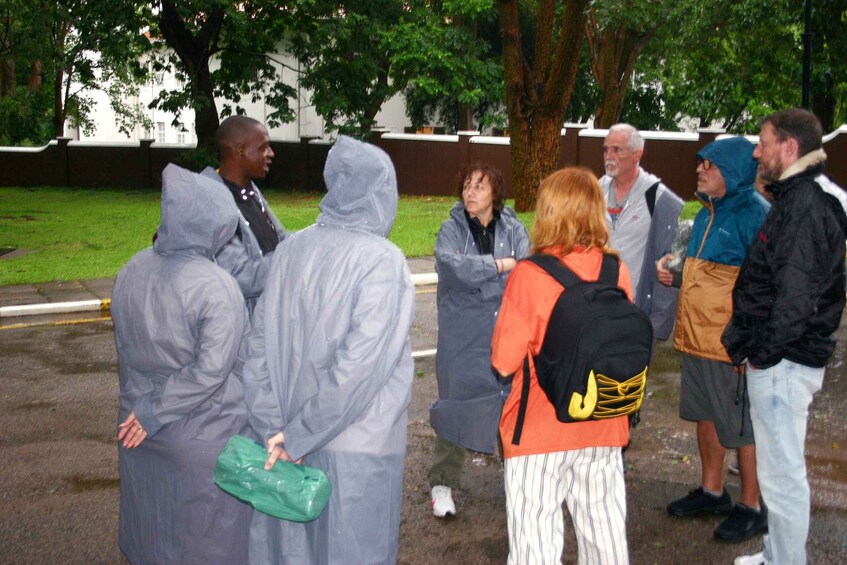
column 425, row 164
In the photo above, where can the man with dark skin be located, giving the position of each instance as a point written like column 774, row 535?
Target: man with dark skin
column 246, row 155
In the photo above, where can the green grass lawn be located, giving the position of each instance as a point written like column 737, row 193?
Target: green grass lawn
column 74, row 234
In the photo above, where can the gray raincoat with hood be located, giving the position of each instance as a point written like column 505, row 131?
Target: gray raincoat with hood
column 470, row 395
column 179, row 321
column 329, row 363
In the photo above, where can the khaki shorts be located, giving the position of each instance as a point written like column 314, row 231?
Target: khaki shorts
column 708, row 393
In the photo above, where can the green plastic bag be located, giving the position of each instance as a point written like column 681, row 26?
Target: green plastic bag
column 291, row 492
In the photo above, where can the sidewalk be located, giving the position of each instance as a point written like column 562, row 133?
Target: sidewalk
column 96, row 294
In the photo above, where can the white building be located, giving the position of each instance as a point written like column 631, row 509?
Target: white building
column 307, row 122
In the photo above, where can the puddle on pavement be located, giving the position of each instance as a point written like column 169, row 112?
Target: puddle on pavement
column 80, row 484
column 36, row 405
column 86, row 368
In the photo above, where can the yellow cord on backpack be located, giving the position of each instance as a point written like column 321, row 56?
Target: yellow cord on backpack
column 582, row 407
column 607, row 398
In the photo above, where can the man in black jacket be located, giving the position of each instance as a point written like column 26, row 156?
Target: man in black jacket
column 246, row 156
column 787, row 303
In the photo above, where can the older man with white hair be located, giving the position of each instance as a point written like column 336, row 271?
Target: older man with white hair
column 643, row 215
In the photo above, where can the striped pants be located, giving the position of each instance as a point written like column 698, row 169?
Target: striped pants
column 591, row 481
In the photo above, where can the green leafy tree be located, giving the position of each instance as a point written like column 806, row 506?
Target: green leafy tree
column 24, row 106
column 222, row 49
column 728, row 63
column 829, row 62
column 451, row 63
column 538, row 87
column 62, row 51
column 345, row 50
column 94, row 45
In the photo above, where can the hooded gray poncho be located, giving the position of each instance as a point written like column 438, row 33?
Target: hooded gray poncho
column 330, row 365
column 179, row 321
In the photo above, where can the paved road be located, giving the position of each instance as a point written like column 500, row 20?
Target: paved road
column 59, row 480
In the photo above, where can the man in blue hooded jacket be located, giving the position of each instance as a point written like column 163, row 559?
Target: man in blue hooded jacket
column 712, row 394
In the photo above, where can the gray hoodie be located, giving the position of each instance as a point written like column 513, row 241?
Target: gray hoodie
column 330, row 365
column 179, row 322
column 642, row 238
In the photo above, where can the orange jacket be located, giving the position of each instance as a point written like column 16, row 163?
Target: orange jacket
column 527, row 303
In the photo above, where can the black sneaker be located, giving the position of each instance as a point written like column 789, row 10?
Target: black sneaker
column 699, row 501
column 742, row 524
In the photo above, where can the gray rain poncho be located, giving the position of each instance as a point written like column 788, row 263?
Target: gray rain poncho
column 470, row 395
column 179, row 321
column 241, row 256
column 330, row 365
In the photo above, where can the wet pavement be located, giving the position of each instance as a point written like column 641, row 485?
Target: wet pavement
column 100, row 289
column 58, row 458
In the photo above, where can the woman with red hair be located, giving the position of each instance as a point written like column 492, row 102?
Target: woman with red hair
column 553, row 462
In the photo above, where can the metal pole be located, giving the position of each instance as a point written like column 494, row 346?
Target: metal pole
column 807, row 55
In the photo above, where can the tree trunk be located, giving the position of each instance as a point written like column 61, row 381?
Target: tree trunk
column 376, row 99
column 537, row 97
column 34, row 81
column 8, row 77
column 194, row 51
column 823, row 106
column 535, row 154
column 464, row 111
column 206, row 119
column 465, row 117
column 612, row 51
column 58, row 106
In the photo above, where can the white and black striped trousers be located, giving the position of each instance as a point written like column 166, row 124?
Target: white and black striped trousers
column 591, row 481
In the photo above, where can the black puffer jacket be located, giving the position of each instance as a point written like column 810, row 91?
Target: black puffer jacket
column 789, row 295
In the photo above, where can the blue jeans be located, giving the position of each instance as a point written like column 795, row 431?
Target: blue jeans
column 779, row 407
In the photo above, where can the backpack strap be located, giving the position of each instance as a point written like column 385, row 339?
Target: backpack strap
column 609, row 270
column 650, row 196
column 516, row 437
column 556, row 269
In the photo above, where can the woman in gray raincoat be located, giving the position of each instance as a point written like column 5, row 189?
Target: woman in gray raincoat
column 330, row 366
column 474, row 252
column 179, row 321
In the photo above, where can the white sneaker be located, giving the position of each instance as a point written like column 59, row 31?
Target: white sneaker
column 442, row 502
column 757, row 559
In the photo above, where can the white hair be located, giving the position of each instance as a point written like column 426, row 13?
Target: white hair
column 634, row 139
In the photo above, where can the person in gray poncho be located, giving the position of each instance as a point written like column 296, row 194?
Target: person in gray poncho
column 329, row 369
column 474, row 252
column 179, row 322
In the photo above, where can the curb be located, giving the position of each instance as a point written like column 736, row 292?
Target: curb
column 103, row 304
column 55, row 308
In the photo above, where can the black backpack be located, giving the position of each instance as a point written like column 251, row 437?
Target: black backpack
column 596, row 349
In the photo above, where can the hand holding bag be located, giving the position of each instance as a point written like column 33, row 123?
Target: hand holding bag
column 288, row 491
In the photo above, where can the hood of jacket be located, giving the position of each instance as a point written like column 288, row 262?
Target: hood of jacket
column 733, row 157
column 361, row 188
column 199, row 215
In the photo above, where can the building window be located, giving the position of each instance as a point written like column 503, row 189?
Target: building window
column 180, row 137
column 160, row 132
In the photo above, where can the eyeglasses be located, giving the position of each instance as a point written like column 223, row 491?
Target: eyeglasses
column 705, row 162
